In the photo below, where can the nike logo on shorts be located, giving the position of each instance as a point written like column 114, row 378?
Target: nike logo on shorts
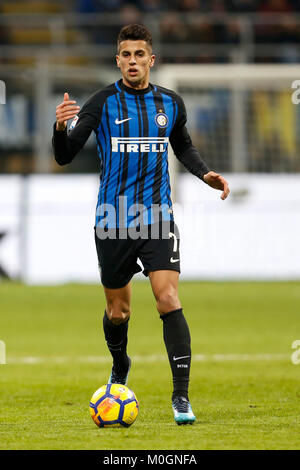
column 123, row 120
column 174, row 260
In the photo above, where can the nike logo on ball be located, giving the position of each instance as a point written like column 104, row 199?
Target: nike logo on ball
column 181, row 357
column 174, row 260
column 123, row 120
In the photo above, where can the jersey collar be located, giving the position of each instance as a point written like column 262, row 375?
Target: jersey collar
column 133, row 91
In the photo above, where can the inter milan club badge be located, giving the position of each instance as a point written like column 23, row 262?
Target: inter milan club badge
column 161, row 120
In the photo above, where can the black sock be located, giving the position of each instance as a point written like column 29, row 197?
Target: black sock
column 178, row 344
column 116, row 339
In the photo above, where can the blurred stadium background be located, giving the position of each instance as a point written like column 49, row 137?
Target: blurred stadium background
column 233, row 61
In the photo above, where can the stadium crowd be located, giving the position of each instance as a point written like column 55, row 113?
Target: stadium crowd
column 216, row 25
column 187, row 6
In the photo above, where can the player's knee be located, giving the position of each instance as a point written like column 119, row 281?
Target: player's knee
column 167, row 301
column 118, row 312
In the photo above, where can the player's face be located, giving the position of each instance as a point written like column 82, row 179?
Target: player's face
column 135, row 59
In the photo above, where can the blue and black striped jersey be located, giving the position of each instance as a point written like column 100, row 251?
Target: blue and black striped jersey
column 133, row 129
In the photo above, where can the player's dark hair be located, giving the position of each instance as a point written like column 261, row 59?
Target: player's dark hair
column 135, row 32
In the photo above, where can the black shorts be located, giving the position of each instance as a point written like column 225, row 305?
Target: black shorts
column 117, row 258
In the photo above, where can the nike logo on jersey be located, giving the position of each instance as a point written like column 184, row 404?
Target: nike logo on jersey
column 174, row 260
column 181, row 357
column 123, row 120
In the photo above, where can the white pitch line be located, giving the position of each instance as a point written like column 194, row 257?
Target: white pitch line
column 146, row 358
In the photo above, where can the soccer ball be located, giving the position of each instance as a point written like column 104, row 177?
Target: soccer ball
column 114, row 405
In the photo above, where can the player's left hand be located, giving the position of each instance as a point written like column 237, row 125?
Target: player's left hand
column 217, row 181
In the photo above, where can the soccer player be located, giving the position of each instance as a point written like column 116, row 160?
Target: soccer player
column 134, row 121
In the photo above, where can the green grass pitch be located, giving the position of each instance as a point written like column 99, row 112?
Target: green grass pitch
column 244, row 387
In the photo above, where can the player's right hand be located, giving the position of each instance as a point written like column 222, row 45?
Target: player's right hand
column 65, row 111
